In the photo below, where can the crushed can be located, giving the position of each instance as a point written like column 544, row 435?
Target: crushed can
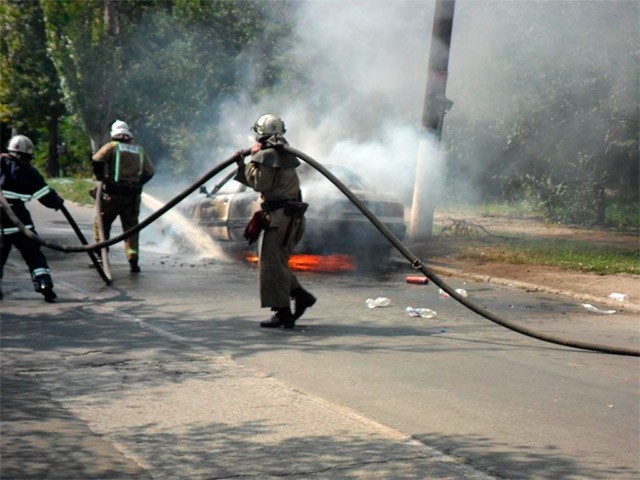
column 417, row 280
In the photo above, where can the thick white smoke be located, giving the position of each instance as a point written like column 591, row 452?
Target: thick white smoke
column 367, row 65
column 366, row 61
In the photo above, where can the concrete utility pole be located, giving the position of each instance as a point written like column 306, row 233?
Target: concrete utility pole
column 429, row 168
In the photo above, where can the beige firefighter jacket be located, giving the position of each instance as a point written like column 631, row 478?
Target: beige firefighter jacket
column 275, row 184
column 124, row 163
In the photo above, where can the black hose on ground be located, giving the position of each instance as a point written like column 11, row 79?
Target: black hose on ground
column 413, row 259
column 83, row 240
column 419, row 265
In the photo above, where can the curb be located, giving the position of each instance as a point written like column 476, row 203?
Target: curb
column 530, row 287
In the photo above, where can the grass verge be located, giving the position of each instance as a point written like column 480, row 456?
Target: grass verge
column 575, row 255
column 73, row 189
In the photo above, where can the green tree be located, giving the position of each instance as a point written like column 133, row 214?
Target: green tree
column 564, row 127
column 30, row 97
column 82, row 40
column 160, row 65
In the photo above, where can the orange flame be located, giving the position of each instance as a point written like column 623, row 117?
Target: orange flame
column 316, row 263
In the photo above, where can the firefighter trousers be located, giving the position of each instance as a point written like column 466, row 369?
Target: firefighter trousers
column 276, row 279
column 32, row 255
column 127, row 207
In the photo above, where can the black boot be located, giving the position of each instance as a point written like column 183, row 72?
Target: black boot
column 282, row 318
column 133, row 266
column 47, row 290
column 303, row 300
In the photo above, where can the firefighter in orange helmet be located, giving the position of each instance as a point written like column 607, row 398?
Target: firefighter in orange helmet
column 124, row 167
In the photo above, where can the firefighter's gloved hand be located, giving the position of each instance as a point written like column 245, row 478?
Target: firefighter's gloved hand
column 239, row 159
column 56, row 201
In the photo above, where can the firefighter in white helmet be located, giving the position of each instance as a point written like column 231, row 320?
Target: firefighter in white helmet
column 21, row 182
column 272, row 172
column 124, row 167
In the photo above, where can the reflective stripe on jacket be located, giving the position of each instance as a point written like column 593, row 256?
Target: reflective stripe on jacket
column 20, row 183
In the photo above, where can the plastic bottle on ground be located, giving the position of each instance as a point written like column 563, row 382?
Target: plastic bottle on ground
column 378, row 302
column 620, row 297
column 462, row 292
column 421, row 312
column 593, row 309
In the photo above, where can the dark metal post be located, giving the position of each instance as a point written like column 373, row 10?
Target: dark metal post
column 428, row 183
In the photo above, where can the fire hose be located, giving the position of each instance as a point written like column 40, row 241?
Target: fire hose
column 4, row 204
column 416, row 263
column 106, row 277
column 104, row 252
column 419, row 265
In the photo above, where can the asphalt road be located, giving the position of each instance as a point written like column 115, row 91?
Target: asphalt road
column 167, row 375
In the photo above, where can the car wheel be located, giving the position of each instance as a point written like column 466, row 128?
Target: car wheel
column 374, row 259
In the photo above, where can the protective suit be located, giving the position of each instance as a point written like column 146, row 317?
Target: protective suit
column 123, row 167
column 272, row 172
column 21, row 182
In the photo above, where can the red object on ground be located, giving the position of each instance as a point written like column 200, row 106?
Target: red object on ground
column 418, row 280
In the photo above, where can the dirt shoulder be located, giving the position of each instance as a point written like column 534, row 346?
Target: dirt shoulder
column 583, row 287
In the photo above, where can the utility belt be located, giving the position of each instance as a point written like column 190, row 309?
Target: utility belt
column 292, row 208
column 261, row 219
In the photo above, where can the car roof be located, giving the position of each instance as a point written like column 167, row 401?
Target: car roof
column 347, row 176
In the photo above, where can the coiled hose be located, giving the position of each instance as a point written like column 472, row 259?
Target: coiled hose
column 382, row 228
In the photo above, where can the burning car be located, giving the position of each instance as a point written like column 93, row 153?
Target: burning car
column 334, row 224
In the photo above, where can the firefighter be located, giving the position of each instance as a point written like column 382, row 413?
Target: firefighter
column 123, row 167
column 21, row 182
column 272, row 172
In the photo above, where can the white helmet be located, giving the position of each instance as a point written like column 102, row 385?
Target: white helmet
column 269, row 124
column 120, row 128
column 20, row 144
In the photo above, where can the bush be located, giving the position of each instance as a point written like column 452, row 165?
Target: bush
column 623, row 214
column 575, row 195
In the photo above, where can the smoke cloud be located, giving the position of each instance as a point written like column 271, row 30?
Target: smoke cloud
column 366, row 65
column 366, row 70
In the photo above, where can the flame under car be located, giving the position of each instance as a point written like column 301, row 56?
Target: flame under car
column 334, row 224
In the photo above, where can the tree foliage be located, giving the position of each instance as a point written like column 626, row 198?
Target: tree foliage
column 30, row 97
column 83, row 41
column 563, row 129
column 546, row 114
column 159, row 65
